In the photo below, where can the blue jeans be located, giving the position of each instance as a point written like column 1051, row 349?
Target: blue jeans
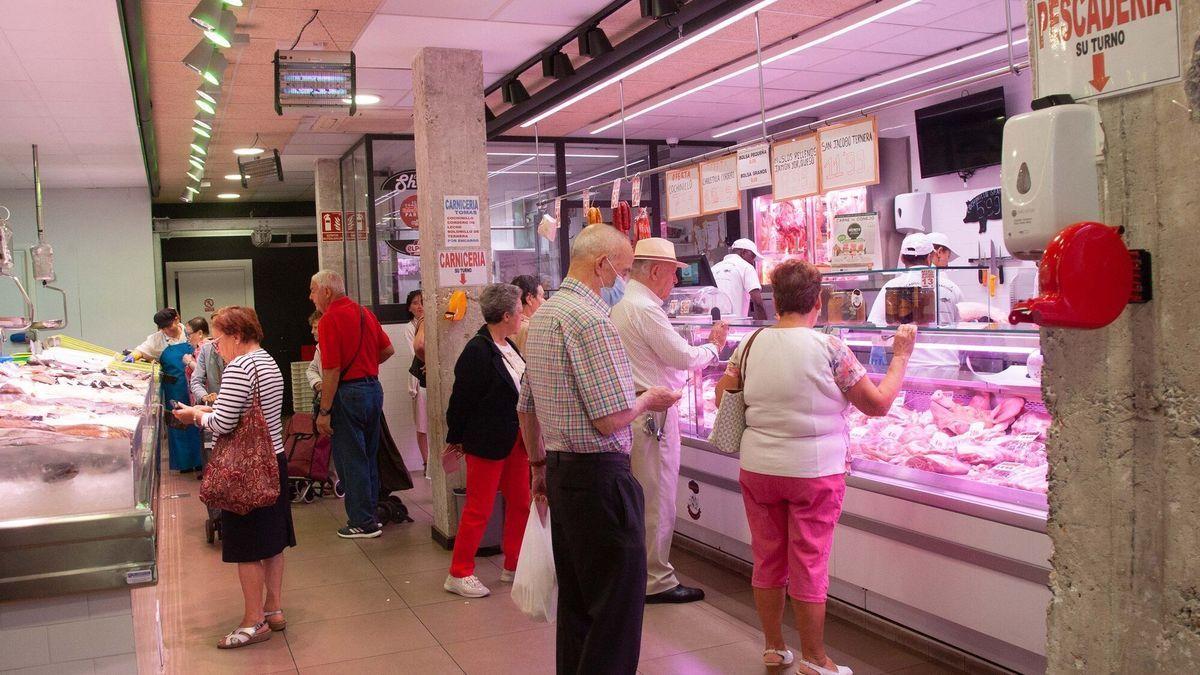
column 357, row 407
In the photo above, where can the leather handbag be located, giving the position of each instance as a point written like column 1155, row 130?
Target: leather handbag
column 730, row 422
column 243, row 473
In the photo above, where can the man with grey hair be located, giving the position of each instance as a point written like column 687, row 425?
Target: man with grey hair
column 577, row 402
column 660, row 357
column 352, row 345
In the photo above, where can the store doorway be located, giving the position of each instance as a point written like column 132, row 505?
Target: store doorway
column 200, row 287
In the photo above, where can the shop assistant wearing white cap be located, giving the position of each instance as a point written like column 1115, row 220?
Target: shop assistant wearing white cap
column 660, row 357
column 949, row 293
column 737, row 278
column 916, row 251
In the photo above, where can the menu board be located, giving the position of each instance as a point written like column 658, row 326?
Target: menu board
column 849, row 155
column 856, row 241
column 683, row 193
column 795, row 168
column 719, row 185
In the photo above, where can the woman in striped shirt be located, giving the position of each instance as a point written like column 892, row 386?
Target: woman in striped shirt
column 256, row 540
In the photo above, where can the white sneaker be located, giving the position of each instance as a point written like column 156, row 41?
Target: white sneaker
column 468, row 587
column 506, row 576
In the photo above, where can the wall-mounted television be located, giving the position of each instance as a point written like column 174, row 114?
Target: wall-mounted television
column 962, row 134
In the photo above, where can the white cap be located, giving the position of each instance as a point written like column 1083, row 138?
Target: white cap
column 746, row 245
column 916, row 244
column 940, row 239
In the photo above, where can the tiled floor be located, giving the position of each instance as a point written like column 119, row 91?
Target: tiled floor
column 377, row 606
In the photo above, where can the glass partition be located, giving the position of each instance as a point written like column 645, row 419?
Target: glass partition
column 396, row 220
column 354, row 225
column 521, row 178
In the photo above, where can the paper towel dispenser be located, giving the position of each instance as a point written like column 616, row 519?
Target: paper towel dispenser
column 913, row 213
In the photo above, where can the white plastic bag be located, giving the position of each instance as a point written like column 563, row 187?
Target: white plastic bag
column 535, row 585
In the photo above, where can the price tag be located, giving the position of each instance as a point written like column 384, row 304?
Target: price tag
column 1028, row 438
column 892, row 432
column 587, row 202
column 636, row 187
column 558, row 209
column 616, row 193
column 928, row 278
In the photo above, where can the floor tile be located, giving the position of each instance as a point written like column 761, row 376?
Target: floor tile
column 472, row 619
column 200, row 655
column 928, row 669
column 530, row 651
column 320, row 545
column 674, row 629
column 730, row 659
column 356, row 637
column 328, row 570
column 427, row 661
column 425, row 588
column 320, row 603
column 418, row 558
column 866, row 646
column 708, row 575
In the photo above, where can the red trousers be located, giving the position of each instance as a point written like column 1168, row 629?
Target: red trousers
column 484, row 477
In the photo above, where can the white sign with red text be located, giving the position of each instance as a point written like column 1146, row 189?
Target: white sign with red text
column 462, row 225
column 462, row 268
column 1096, row 48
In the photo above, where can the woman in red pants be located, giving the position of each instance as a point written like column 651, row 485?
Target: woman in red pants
column 481, row 423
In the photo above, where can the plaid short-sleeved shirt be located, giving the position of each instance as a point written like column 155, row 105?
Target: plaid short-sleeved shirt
column 576, row 371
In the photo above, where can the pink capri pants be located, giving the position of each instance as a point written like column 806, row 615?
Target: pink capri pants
column 791, row 530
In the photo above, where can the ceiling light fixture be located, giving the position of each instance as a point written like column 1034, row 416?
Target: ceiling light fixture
column 196, row 174
column 657, row 9
column 653, row 59
column 206, row 60
column 202, row 124
column 234, row 3
column 754, row 66
column 201, row 131
column 222, row 34
column 196, row 161
column 199, row 146
column 193, row 189
column 206, row 97
column 514, row 92
column 207, row 14
column 862, row 90
column 233, row 176
column 551, row 154
column 594, row 42
column 557, row 65
column 248, row 151
column 363, row 99
column 228, row 195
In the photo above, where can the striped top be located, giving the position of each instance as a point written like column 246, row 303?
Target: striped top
column 240, row 376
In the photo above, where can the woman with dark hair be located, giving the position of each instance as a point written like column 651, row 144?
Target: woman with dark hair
column 175, row 359
column 170, row 332
column 533, row 294
column 798, row 383
column 256, row 540
column 414, row 335
column 481, row 422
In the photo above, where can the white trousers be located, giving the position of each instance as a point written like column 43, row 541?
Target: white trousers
column 655, row 465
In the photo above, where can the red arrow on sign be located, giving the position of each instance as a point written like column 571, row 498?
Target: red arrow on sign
column 462, row 278
column 1099, row 79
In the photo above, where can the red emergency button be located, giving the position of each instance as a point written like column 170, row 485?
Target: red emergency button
column 1086, row 278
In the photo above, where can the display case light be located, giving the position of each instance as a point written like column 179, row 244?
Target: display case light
column 222, row 34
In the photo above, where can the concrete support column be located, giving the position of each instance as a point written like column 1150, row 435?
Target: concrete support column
column 450, row 144
column 1125, row 445
column 328, row 197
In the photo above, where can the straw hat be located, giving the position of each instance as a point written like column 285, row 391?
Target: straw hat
column 656, row 248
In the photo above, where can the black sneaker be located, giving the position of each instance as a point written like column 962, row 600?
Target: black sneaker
column 350, row 532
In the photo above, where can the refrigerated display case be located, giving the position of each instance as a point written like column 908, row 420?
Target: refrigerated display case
column 801, row 227
column 944, row 520
column 79, row 474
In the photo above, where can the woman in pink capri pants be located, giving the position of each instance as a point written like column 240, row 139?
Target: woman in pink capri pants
column 798, row 384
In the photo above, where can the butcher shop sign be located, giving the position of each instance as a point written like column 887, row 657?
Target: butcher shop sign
column 462, row 268
column 1096, row 48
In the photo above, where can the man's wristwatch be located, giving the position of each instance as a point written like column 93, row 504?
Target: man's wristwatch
column 324, row 411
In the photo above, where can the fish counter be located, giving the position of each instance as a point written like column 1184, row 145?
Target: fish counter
column 79, row 442
column 943, row 528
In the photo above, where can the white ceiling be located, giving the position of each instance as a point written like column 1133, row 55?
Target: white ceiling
column 64, row 85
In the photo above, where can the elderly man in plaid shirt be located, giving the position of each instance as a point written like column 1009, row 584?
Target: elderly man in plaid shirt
column 577, row 403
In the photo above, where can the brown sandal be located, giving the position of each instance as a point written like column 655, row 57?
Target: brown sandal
column 277, row 625
column 245, row 635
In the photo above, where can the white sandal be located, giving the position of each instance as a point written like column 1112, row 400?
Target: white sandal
column 785, row 655
column 820, row 670
column 245, row 635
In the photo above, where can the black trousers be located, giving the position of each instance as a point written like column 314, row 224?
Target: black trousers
column 598, row 529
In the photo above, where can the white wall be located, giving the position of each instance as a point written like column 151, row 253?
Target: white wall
column 103, row 258
column 948, row 193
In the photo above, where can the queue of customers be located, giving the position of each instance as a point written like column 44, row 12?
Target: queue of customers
column 570, row 403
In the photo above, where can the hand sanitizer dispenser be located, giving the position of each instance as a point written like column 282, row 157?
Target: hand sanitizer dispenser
column 1048, row 175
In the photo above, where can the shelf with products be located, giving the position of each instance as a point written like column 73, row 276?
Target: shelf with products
column 976, row 432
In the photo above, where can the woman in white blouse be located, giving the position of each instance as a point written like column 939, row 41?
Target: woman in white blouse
column 798, row 383
column 256, row 540
column 414, row 335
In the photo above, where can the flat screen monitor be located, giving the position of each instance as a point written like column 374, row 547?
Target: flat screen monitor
column 960, row 135
column 697, row 273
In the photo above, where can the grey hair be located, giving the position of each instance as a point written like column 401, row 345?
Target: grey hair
column 498, row 299
column 598, row 240
column 330, row 280
column 642, row 267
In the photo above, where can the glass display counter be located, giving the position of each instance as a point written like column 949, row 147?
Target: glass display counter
column 78, row 474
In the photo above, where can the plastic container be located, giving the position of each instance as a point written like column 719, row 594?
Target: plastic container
column 490, row 544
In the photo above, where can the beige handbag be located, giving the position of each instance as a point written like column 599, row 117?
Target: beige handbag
column 730, row 422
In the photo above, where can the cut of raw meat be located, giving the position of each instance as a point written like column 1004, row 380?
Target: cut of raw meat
column 938, row 464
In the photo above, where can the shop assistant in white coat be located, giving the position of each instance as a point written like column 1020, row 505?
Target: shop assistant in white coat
column 919, row 250
column 737, row 278
column 660, row 358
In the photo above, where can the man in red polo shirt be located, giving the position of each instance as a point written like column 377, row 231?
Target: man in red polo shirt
column 352, row 345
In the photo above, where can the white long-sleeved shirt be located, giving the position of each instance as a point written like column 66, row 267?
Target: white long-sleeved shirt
column 659, row 355
column 237, row 385
column 313, row 374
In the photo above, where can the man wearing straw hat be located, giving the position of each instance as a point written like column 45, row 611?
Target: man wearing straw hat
column 660, row 358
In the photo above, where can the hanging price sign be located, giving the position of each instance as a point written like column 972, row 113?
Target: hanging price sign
column 636, row 188
column 616, row 193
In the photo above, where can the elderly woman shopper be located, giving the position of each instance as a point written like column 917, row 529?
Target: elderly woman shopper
column 797, row 383
column 482, row 423
column 533, row 294
column 256, row 540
